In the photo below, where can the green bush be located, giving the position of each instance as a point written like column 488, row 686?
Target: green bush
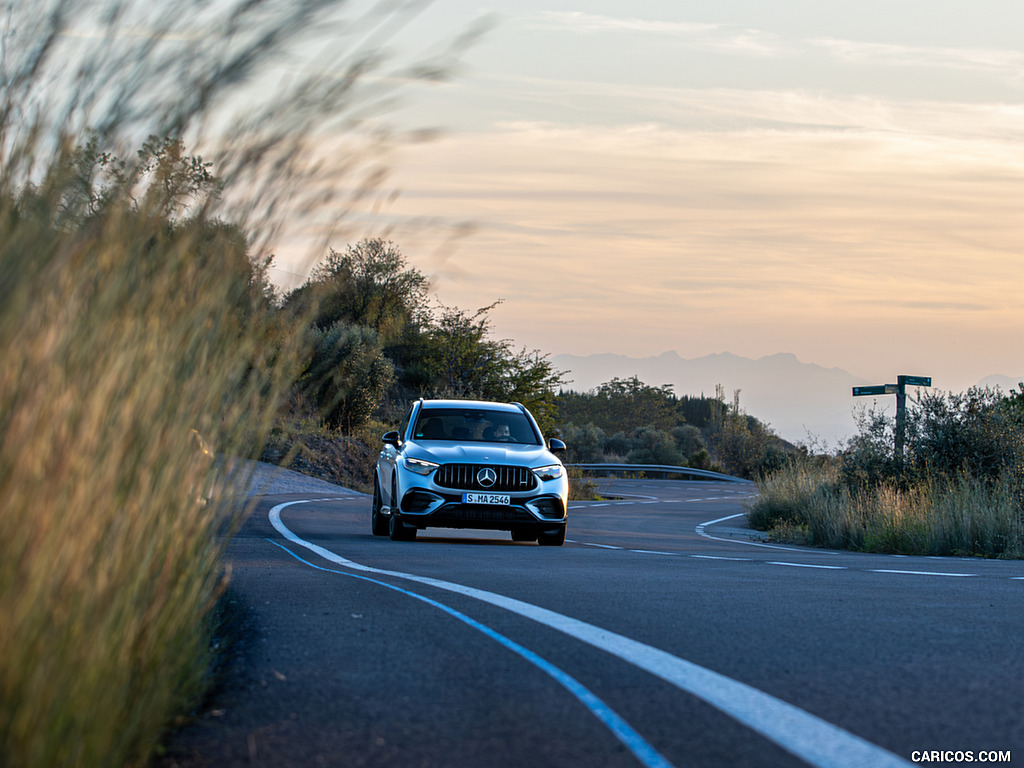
column 650, row 445
column 347, row 375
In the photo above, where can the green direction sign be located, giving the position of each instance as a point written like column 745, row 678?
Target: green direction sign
column 880, row 389
column 917, row 381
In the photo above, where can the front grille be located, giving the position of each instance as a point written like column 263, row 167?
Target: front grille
column 463, row 477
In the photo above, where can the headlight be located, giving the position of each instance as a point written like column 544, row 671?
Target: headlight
column 419, row 466
column 552, row 472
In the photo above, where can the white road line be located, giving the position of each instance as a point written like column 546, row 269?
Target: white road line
column 807, row 565
column 600, row 546
column 719, row 557
column 629, row 737
column 701, row 532
column 808, row 737
column 653, row 552
column 922, row 573
column 719, row 520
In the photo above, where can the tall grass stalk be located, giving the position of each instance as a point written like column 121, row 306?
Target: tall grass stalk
column 119, row 349
column 127, row 329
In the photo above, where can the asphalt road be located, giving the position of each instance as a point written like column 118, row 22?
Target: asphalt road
column 659, row 635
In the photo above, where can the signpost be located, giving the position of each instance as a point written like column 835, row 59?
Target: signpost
column 881, row 389
column 900, row 390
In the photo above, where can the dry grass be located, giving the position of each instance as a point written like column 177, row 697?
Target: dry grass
column 120, row 346
column 963, row 516
column 128, row 330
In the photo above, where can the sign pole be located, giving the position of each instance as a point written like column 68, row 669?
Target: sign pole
column 900, row 390
column 901, row 418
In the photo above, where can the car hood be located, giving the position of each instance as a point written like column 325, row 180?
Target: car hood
column 483, row 453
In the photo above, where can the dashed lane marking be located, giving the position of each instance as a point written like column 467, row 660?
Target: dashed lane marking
column 654, row 552
column 809, row 565
column 922, row 573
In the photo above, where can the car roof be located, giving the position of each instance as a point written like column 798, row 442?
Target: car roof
column 485, row 405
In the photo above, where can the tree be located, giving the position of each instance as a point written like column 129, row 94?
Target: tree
column 622, row 405
column 688, row 439
column 162, row 181
column 653, row 446
column 586, row 444
column 370, row 285
column 347, row 375
column 459, row 359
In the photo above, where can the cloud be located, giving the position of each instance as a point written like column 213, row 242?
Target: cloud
column 731, row 39
column 1004, row 62
column 641, row 235
column 722, row 38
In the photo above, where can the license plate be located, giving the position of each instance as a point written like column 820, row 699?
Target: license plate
column 486, row 498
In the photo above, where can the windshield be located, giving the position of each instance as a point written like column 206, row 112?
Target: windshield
column 474, row 425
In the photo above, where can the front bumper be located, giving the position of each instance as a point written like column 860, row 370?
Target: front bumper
column 436, row 508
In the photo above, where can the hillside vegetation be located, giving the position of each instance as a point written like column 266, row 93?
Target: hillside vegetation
column 377, row 343
column 626, row 420
column 958, row 489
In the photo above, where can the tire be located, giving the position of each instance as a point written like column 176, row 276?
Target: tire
column 397, row 530
column 378, row 522
column 552, row 538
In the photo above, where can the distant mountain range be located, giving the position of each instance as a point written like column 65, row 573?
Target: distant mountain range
column 802, row 402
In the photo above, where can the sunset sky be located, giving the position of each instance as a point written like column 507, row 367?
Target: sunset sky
column 839, row 180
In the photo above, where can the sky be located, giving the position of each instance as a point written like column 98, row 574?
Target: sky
column 841, row 181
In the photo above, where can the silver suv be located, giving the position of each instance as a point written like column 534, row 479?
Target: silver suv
column 470, row 464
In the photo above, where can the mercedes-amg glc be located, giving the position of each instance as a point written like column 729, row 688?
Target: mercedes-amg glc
column 470, row 464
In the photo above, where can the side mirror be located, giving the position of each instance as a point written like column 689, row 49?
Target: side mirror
column 555, row 445
column 391, row 438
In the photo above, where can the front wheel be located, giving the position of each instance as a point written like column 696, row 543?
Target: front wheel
column 378, row 523
column 397, row 530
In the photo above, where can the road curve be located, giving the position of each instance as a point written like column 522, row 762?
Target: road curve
column 660, row 635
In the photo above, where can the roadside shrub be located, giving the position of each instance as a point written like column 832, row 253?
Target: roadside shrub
column 788, row 496
column 688, row 439
column 126, row 372
column 585, row 445
column 938, row 516
column 347, row 375
column 977, row 433
column 139, row 341
column 650, row 445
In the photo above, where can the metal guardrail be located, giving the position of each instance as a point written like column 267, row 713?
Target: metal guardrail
column 655, row 469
